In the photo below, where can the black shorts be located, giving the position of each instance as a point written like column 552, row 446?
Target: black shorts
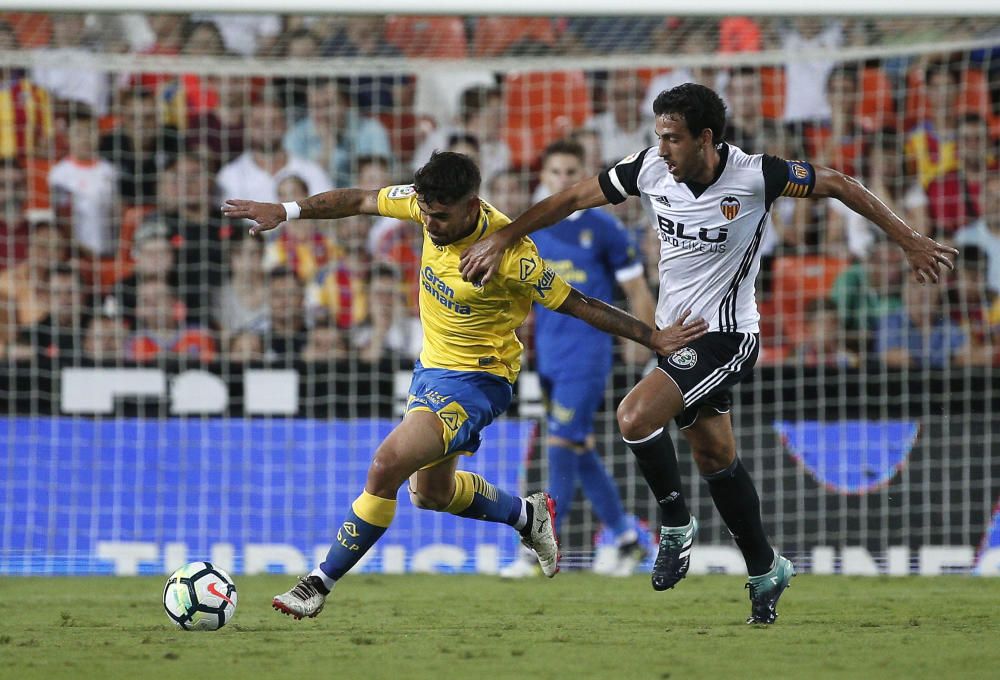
column 706, row 369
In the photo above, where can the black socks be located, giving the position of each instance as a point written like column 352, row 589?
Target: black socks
column 737, row 501
column 658, row 462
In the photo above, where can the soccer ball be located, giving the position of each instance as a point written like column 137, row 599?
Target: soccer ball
column 200, row 596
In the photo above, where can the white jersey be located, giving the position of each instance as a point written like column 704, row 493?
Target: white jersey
column 710, row 235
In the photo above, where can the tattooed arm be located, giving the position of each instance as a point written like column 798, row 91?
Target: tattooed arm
column 327, row 205
column 612, row 320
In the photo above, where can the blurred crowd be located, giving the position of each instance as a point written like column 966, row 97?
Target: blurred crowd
column 113, row 248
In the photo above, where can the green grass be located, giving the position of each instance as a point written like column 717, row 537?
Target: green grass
column 449, row 627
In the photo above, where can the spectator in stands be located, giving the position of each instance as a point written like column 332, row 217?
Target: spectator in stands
column 930, row 145
column 985, row 231
column 869, row 291
column 480, row 117
column 361, row 37
column 8, row 36
column 955, row 196
column 438, row 94
column 138, row 146
column 806, row 101
column 884, row 172
column 608, row 35
column 257, row 171
column 305, row 247
column 83, row 189
column 195, row 230
column 220, row 130
column 624, row 125
column 73, row 82
column 246, row 346
column 60, row 333
column 241, row 305
column 391, row 327
column 293, row 91
column 464, row 143
column 968, row 301
column 326, row 342
column 508, row 193
column 13, row 219
column 373, row 172
column 590, row 140
column 286, row 337
column 26, row 129
column 333, row 135
column 168, row 33
column 825, row 343
column 837, row 141
column 105, row 338
column 744, row 109
column 155, row 258
column 691, row 36
column 245, row 34
column 918, row 335
column 195, row 95
column 161, row 329
column 24, row 287
column 340, row 291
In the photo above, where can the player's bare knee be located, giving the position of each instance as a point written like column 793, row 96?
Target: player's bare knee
column 385, row 473
column 631, row 423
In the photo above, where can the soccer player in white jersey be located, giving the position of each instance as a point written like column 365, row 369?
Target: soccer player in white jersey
column 464, row 377
column 708, row 202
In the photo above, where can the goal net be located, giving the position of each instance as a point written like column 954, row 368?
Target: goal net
column 172, row 389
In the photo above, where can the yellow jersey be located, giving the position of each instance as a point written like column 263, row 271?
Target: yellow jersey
column 468, row 327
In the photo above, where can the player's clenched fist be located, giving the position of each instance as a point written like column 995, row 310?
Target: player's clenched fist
column 678, row 334
column 266, row 215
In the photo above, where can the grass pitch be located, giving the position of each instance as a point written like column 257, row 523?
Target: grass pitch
column 575, row 626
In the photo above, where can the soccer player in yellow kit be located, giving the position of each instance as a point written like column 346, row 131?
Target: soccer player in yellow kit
column 464, row 377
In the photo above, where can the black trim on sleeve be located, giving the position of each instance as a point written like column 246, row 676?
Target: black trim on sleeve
column 775, row 178
column 626, row 171
column 610, row 191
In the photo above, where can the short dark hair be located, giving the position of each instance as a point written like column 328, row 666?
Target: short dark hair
column 281, row 272
column 973, row 258
column 701, row 107
column 817, row 306
column 463, row 138
column 63, row 269
column 385, row 270
column 474, row 99
column 447, row 178
column 565, row 147
column 942, row 66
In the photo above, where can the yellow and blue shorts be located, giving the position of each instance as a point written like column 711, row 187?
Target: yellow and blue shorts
column 465, row 401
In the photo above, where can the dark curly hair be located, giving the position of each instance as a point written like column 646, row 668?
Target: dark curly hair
column 447, row 178
column 701, row 107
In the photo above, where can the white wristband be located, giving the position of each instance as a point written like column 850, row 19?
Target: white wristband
column 292, row 210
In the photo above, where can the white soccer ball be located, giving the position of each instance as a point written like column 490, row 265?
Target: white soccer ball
column 200, row 596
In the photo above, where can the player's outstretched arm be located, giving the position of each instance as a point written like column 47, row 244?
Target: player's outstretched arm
column 610, row 319
column 327, row 205
column 925, row 255
column 481, row 260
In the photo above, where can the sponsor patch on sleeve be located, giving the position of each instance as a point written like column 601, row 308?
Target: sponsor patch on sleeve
column 628, row 159
column 401, row 191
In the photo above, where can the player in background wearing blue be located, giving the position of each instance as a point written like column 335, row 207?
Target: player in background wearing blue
column 464, row 377
column 708, row 202
column 591, row 250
